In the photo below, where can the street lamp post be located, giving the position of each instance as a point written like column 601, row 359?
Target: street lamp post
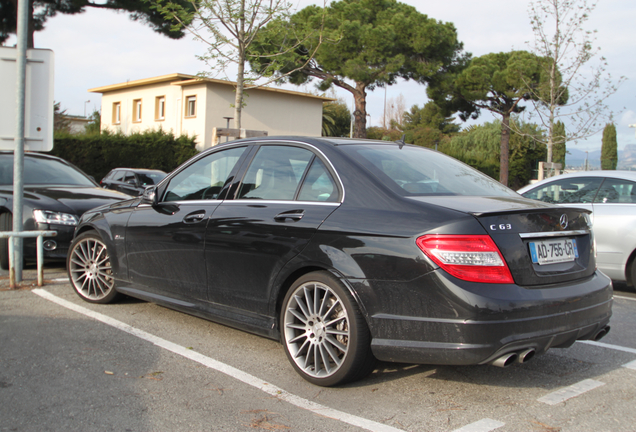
column 88, row 101
column 227, row 137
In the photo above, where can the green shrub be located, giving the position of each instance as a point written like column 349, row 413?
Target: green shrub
column 96, row 155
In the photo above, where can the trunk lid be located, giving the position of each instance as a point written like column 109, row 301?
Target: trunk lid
column 533, row 237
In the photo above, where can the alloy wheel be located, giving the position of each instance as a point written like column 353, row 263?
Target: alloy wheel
column 317, row 329
column 90, row 269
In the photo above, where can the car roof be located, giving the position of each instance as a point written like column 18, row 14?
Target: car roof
column 334, row 141
column 620, row 174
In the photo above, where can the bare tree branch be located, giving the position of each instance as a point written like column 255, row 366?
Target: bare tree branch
column 571, row 91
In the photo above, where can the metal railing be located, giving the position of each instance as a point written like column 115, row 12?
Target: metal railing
column 40, row 251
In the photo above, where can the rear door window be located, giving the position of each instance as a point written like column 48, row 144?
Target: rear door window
column 318, row 184
column 275, row 173
column 616, row 191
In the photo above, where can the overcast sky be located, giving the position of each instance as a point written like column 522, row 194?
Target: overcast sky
column 101, row 47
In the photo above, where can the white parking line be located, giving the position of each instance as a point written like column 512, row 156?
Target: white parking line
column 625, row 298
column 485, row 425
column 570, row 392
column 630, row 365
column 609, row 346
column 224, row 368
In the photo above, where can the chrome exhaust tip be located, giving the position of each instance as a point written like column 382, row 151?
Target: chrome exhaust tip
column 601, row 333
column 526, row 355
column 505, row 360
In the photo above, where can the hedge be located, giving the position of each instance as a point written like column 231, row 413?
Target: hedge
column 97, row 154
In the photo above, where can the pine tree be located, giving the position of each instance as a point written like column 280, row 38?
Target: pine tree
column 358, row 45
column 609, row 150
column 39, row 11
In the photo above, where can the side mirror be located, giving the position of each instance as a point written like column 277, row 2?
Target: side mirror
column 149, row 196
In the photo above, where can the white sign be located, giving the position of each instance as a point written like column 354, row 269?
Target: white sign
column 38, row 128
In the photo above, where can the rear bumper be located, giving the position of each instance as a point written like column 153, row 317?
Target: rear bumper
column 446, row 321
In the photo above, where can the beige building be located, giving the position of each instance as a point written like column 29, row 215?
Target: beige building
column 186, row 104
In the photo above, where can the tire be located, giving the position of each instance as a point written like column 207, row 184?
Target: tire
column 89, row 269
column 325, row 336
column 6, row 224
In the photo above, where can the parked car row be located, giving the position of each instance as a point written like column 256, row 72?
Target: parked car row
column 347, row 251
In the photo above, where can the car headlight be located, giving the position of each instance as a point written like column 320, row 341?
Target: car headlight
column 51, row 217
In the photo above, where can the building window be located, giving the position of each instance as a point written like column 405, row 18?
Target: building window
column 160, row 107
column 191, row 106
column 116, row 112
column 137, row 110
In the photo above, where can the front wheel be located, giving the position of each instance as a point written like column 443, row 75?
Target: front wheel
column 325, row 336
column 89, row 269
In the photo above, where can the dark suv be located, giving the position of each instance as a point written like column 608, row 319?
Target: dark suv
column 132, row 181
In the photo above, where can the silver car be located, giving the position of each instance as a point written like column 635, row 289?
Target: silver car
column 611, row 196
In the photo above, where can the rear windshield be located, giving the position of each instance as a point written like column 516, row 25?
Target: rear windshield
column 38, row 171
column 416, row 171
column 151, row 177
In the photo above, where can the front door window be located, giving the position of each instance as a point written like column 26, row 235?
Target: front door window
column 204, row 179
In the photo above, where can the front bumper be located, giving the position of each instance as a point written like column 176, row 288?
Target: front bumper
column 62, row 241
column 438, row 319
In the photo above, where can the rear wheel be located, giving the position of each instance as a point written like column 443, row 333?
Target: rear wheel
column 324, row 334
column 89, row 269
column 6, row 224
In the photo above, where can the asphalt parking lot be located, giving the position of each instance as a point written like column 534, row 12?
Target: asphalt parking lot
column 69, row 365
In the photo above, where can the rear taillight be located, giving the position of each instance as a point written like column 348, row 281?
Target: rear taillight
column 473, row 258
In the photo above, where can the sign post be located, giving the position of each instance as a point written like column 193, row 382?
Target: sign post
column 26, row 122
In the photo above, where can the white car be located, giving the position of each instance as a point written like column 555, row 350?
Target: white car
column 611, row 196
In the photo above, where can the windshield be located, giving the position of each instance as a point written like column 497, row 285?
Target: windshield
column 416, row 171
column 38, row 171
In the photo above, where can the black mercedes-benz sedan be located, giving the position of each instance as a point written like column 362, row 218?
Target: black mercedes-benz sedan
column 56, row 193
column 348, row 251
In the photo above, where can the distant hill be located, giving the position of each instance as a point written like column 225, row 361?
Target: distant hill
column 576, row 158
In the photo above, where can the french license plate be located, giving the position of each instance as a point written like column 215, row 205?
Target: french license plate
column 553, row 251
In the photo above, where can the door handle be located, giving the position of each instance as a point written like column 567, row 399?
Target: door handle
column 294, row 215
column 194, row 217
